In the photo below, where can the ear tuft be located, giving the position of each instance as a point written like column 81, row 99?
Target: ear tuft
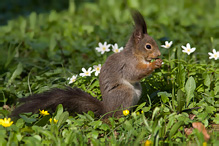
column 139, row 22
column 140, row 26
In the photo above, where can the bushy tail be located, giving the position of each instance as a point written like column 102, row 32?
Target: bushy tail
column 73, row 99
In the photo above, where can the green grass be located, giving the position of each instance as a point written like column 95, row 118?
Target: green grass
column 40, row 51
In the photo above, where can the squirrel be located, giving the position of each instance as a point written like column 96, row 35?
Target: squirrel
column 119, row 80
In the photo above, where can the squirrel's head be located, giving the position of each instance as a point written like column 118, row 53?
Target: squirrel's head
column 142, row 44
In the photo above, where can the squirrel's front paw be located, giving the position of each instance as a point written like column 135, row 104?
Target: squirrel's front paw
column 157, row 63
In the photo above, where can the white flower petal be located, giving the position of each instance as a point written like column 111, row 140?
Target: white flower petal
column 188, row 45
column 171, row 42
column 82, row 74
column 96, row 73
column 100, row 44
column 193, row 49
column 95, row 66
column 184, row 47
column 166, row 43
column 210, row 57
column 184, row 51
column 98, row 49
column 83, row 69
column 164, row 46
column 116, row 45
column 209, row 53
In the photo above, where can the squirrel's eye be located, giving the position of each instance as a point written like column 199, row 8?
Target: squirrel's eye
column 148, row 46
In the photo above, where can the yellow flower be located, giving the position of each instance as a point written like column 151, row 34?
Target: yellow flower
column 44, row 113
column 137, row 113
column 54, row 120
column 148, row 143
column 142, row 112
column 6, row 122
column 125, row 112
column 204, row 143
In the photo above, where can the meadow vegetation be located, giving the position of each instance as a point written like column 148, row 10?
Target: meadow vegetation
column 45, row 50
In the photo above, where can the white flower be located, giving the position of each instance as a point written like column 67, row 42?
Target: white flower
column 86, row 72
column 116, row 49
column 72, row 79
column 167, row 45
column 97, row 69
column 103, row 48
column 188, row 49
column 214, row 55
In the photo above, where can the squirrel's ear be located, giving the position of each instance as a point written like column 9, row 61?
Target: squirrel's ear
column 140, row 26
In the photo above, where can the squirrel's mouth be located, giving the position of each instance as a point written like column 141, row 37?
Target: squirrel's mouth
column 150, row 60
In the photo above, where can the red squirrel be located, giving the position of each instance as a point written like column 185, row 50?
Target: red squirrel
column 119, row 80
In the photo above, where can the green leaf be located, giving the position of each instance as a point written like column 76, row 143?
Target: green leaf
column 112, row 122
column 43, row 121
column 53, row 43
column 20, row 123
column 216, row 119
column 31, row 141
column 105, row 127
column 69, row 136
column 190, row 88
column 53, row 16
column 18, row 136
column 133, row 4
column 94, row 134
column 181, row 76
column 164, row 96
column 207, row 80
column 23, row 26
column 180, row 100
column 16, row 73
column 95, row 84
column 33, row 17
column 210, row 109
column 156, row 110
column 175, row 128
column 172, row 120
column 140, row 106
column 59, row 111
column 48, row 134
column 63, row 117
column 128, row 125
column 95, row 124
column 71, row 8
column 146, row 109
column 216, row 90
column 91, row 114
column 28, row 119
column 3, row 142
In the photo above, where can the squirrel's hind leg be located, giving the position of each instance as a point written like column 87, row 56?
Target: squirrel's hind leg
column 118, row 100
